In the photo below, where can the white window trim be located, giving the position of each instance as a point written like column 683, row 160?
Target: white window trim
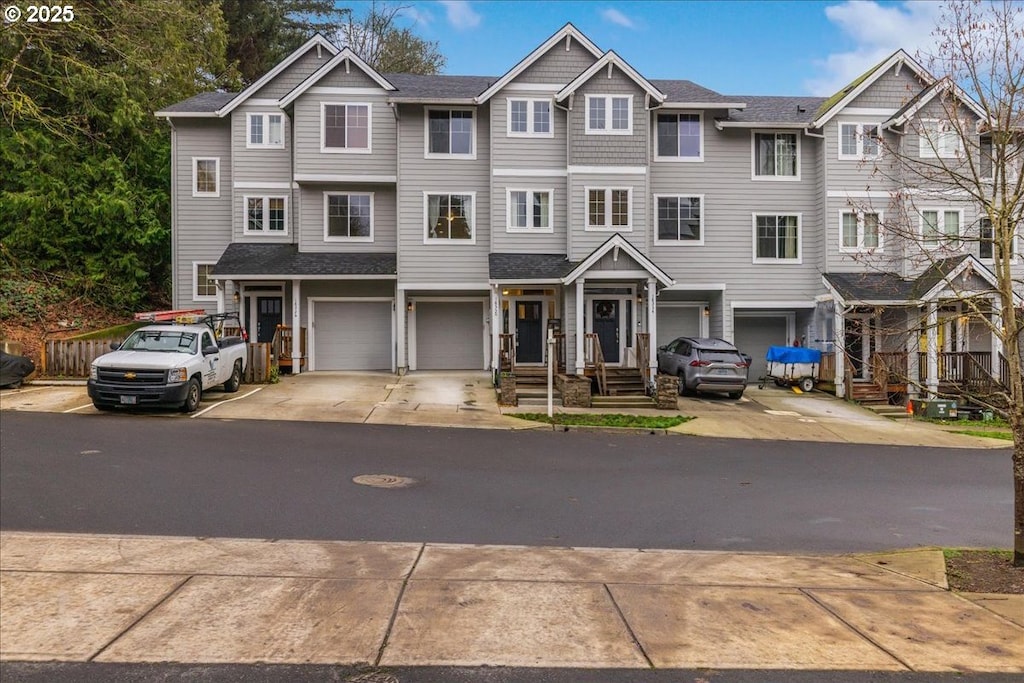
column 941, row 242
column 195, row 282
column 266, row 231
column 195, row 177
column 1015, row 245
column 925, row 149
column 338, row 238
column 677, row 242
column 607, row 130
column 530, row 191
column 265, row 115
column 860, row 249
column 531, row 103
column 859, row 155
column 607, row 227
column 427, row 239
column 775, row 178
column 799, row 239
column 324, row 149
column 679, row 159
column 427, row 154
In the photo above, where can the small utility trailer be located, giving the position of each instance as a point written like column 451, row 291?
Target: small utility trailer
column 792, row 365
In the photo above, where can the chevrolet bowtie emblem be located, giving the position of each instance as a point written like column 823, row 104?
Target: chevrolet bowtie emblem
column 129, row 375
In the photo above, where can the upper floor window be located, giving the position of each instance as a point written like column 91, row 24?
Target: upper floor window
column 529, row 210
column 609, row 114
column 776, row 156
column 204, row 286
column 679, row 137
column 348, row 216
column 205, row 177
column 450, row 132
column 608, row 208
column 776, row 238
column 680, row 220
column 529, row 118
column 940, row 227
column 265, row 130
column 987, row 246
column 450, row 217
column 345, row 128
column 858, row 141
column 265, row 215
column 860, row 231
column 939, row 139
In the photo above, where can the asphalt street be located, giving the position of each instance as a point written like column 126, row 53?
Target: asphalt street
column 142, row 474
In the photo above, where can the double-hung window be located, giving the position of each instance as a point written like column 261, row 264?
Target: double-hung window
column 205, row 177
column 204, row 286
column 680, row 220
column 348, row 216
column 776, row 156
column 529, row 118
column 679, row 137
column 609, row 114
column 265, row 130
column 941, row 227
column 450, row 217
column 858, row 141
column 776, row 238
column 265, row 216
column 450, row 133
column 939, row 139
column 859, row 231
column 608, row 208
column 345, row 127
column 987, row 246
column 529, row 210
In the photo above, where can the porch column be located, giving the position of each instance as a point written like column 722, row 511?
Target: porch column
column 839, row 343
column 400, row 324
column 997, row 342
column 932, row 336
column 296, row 328
column 913, row 346
column 652, row 326
column 220, row 295
column 495, row 329
column 579, row 327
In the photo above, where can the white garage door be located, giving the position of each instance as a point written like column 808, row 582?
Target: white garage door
column 754, row 334
column 449, row 335
column 352, row 335
column 677, row 321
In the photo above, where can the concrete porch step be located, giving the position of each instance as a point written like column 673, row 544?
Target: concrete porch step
column 893, row 412
column 622, row 402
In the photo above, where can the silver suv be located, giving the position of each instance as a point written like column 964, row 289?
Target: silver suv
column 704, row 364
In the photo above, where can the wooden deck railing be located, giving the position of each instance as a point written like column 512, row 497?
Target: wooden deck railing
column 282, row 348
column 507, row 352
column 594, row 359
column 952, row 364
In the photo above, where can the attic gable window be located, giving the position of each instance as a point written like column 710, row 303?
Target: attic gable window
column 858, row 141
column 345, row 127
column 265, row 130
column 609, row 115
column 939, row 139
column 529, row 118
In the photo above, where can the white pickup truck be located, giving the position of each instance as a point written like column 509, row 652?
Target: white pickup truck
column 168, row 365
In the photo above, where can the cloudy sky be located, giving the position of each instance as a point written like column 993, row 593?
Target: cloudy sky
column 750, row 48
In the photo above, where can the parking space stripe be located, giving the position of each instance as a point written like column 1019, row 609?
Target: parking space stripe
column 71, row 410
column 236, row 398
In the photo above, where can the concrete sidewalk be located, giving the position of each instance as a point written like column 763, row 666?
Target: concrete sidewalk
column 157, row 599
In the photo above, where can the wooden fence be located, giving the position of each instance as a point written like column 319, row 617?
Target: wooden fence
column 72, row 357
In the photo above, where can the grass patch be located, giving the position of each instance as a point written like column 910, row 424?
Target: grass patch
column 115, row 332
column 1005, row 436
column 996, row 421
column 611, row 420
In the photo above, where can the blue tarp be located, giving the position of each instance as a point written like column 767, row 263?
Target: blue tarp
column 792, row 354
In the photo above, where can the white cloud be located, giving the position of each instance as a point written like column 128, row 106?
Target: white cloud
column 460, row 14
column 418, row 16
column 876, row 31
column 614, row 16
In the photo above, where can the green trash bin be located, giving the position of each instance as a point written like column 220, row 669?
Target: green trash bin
column 935, row 408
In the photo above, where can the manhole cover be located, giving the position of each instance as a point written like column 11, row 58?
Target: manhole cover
column 384, row 481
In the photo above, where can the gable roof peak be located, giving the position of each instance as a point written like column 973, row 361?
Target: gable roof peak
column 346, row 54
column 610, row 58
column 839, row 100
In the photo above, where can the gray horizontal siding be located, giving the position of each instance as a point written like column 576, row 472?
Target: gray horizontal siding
column 527, row 152
column 616, row 150
column 309, row 159
column 285, row 81
column 502, row 240
column 311, row 219
column 889, row 91
column 355, row 78
column 439, row 262
column 582, row 241
column 859, row 175
column 259, row 164
column 202, row 225
column 558, row 65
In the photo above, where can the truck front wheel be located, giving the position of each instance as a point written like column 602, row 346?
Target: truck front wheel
column 231, row 386
column 192, row 397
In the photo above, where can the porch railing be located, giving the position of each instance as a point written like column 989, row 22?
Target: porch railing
column 594, row 359
column 952, row 365
column 282, row 346
column 643, row 356
column 507, row 352
column 890, row 366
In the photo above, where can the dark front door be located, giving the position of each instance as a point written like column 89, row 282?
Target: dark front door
column 529, row 332
column 268, row 317
column 606, row 327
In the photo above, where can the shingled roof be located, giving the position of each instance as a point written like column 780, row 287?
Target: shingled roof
column 286, row 259
column 868, row 287
column 440, row 87
column 203, row 103
column 776, row 109
column 529, row 266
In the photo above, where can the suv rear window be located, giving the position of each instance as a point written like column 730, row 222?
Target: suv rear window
column 719, row 356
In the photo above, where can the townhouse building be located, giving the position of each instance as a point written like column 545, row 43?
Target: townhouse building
column 395, row 221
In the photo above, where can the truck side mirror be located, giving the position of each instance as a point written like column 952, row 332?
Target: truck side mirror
column 114, row 346
column 210, row 350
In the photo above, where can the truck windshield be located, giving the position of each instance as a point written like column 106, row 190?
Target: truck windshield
column 160, row 340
